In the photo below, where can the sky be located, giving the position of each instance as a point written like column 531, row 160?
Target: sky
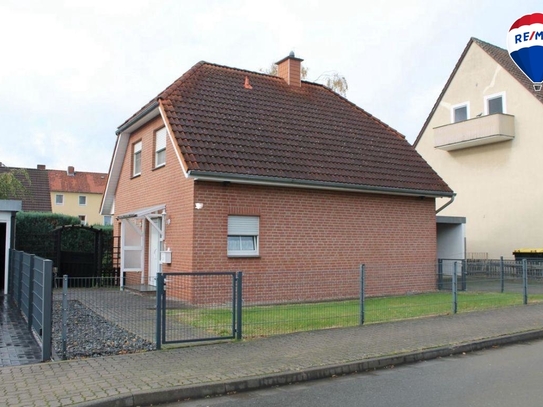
column 71, row 72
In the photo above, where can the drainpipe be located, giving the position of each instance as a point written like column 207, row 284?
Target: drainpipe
column 447, row 204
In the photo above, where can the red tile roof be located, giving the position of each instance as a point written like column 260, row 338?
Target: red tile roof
column 82, row 182
column 271, row 131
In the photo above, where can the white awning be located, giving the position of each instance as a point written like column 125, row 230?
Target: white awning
column 143, row 213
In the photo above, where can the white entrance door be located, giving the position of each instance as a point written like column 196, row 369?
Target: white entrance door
column 154, row 249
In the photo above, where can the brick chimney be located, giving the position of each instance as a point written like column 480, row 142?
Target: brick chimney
column 41, row 166
column 290, row 69
column 71, row 171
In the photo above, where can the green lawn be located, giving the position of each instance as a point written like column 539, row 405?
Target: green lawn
column 280, row 319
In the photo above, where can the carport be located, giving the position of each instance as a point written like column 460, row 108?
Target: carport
column 8, row 210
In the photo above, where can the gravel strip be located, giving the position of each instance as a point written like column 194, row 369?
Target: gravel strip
column 91, row 335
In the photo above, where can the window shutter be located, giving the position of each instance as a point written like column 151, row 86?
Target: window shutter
column 243, row 225
column 160, row 139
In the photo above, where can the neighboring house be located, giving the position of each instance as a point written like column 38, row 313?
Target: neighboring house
column 233, row 170
column 484, row 137
column 78, row 194
column 68, row 192
column 37, row 197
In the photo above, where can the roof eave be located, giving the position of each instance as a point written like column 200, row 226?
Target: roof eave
column 146, row 114
column 123, row 134
column 298, row 183
column 445, row 87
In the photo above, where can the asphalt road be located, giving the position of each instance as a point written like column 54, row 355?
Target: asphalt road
column 508, row 376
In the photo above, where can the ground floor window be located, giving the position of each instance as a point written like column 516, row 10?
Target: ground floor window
column 243, row 235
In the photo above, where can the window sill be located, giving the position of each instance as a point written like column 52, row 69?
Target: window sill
column 237, row 256
column 135, row 176
column 158, row 167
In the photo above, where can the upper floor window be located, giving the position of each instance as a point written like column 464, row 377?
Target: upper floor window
column 82, row 200
column 243, row 235
column 495, row 103
column 460, row 112
column 136, row 159
column 160, row 147
column 59, row 199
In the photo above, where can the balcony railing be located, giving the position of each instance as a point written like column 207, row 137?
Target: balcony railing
column 478, row 131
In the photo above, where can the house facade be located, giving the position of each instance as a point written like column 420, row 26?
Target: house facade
column 232, row 170
column 483, row 136
column 78, row 194
column 37, row 197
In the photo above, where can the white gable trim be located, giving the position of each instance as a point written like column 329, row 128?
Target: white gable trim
column 119, row 154
column 173, row 141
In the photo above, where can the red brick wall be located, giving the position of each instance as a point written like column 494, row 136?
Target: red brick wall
column 156, row 186
column 313, row 242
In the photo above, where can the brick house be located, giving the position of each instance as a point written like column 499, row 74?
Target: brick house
column 230, row 170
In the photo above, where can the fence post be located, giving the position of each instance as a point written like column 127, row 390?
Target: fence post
column 464, row 273
column 30, row 291
column 525, row 281
column 502, row 275
column 440, row 274
column 239, row 322
column 362, row 289
column 11, row 273
column 47, row 312
column 64, row 314
column 454, row 290
column 20, row 284
column 159, row 294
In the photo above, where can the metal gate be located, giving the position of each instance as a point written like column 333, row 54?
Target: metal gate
column 192, row 307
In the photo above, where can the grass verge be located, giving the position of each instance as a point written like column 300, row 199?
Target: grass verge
column 287, row 318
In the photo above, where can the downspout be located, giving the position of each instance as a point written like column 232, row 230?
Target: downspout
column 447, row 204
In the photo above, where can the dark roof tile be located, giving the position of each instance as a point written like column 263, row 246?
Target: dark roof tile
column 38, row 197
column 283, row 132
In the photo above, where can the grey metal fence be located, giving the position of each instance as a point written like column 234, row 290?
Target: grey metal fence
column 30, row 290
column 198, row 306
column 459, row 286
column 92, row 316
column 285, row 301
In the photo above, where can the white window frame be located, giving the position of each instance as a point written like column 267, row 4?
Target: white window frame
column 108, row 220
column 495, row 96
column 243, row 227
column 61, row 196
column 136, row 158
column 458, row 106
column 160, row 147
column 83, row 219
column 79, row 200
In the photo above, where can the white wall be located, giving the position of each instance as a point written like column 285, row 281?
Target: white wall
column 498, row 186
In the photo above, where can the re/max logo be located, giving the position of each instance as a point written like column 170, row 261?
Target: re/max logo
column 528, row 36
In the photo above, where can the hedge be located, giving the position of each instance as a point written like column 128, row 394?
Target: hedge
column 34, row 234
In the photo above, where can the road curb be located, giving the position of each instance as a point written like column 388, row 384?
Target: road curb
column 173, row 394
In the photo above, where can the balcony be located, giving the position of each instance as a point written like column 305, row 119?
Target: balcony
column 479, row 131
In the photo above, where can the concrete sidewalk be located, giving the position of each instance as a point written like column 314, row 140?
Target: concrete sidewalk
column 190, row 372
